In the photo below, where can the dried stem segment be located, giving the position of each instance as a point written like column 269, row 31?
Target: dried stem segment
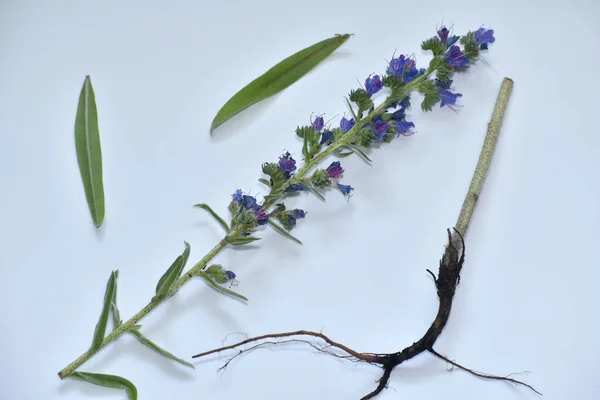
column 485, row 157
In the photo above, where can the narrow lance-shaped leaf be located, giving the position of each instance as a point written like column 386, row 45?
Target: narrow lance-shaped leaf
column 218, row 287
column 214, row 215
column 147, row 342
column 361, row 153
column 89, row 151
column 279, row 77
column 170, row 276
column 113, row 305
column 240, row 240
column 283, row 232
column 103, row 320
column 111, row 381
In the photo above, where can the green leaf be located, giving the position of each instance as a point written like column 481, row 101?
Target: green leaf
column 170, row 276
column 214, row 215
column 89, row 151
column 435, row 45
column 117, row 321
column 305, row 148
column 147, row 342
column 278, row 78
column 281, row 230
column 432, row 94
column 361, row 153
column 111, row 381
column 314, row 191
column 109, row 295
column 265, row 182
column 219, row 288
column 351, row 109
column 240, row 240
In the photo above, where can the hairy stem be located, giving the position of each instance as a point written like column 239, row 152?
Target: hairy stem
column 489, row 146
column 343, row 141
column 126, row 326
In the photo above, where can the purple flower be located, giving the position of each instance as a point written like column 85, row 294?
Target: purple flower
column 373, row 85
column 456, row 58
column 230, row 275
column 443, row 33
column 297, row 213
column 345, row 189
column 335, row 170
column 237, row 195
column 413, row 73
column 287, row 164
column 261, row 216
column 326, row 136
column 380, row 128
column 443, row 85
column 295, row 187
column 449, row 99
column 396, row 66
column 346, row 125
column 318, row 123
column 483, row 37
column 293, row 216
column 404, row 128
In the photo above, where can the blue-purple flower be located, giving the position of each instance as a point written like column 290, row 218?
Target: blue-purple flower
column 345, row 189
column 346, row 124
column 456, row 58
column 326, row 136
column 404, row 128
column 443, row 33
column 230, row 275
column 287, row 164
column 250, row 203
column 335, row 170
column 296, row 187
column 318, row 123
column 293, row 216
column 373, row 85
column 379, row 128
column 483, row 37
column 449, row 99
column 404, row 68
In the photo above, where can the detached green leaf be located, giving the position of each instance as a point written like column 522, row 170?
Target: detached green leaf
column 147, row 342
column 89, row 151
column 172, row 274
column 111, row 381
column 218, row 287
column 240, row 240
column 214, row 215
column 281, row 230
column 109, row 295
column 278, row 78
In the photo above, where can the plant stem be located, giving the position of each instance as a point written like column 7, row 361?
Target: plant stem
column 343, row 141
column 487, row 151
column 126, row 326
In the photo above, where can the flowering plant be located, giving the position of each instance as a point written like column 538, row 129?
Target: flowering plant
column 368, row 127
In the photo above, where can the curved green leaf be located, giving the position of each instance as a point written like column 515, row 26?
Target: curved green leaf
column 278, row 78
column 240, row 240
column 218, row 287
column 109, row 295
column 89, row 151
column 283, row 232
column 361, row 153
column 147, row 342
column 172, row 274
column 111, row 381
column 214, row 215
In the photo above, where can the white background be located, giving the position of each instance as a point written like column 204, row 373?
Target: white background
column 528, row 300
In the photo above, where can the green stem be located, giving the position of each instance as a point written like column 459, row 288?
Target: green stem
column 125, row 327
column 343, row 141
column 487, row 151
